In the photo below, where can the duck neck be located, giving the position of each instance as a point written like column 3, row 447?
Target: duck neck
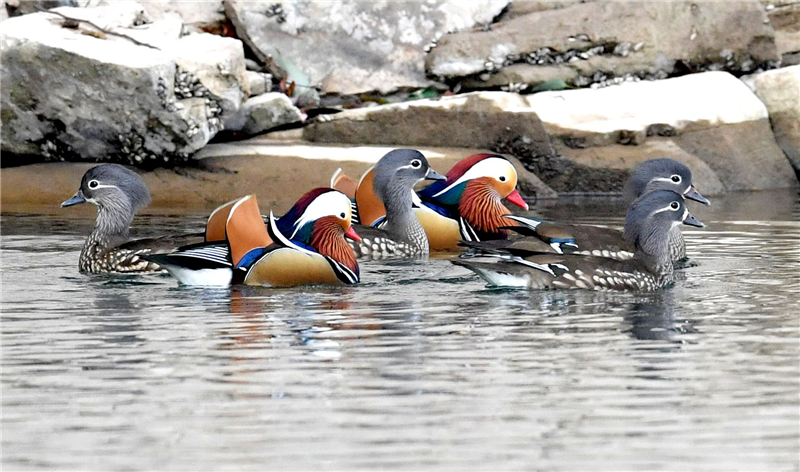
column 652, row 249
column 327, row 238
column 482, row 206
column 112, row 225
column 401, row 222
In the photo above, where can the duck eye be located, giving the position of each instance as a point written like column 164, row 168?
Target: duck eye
column 342, row 215
column 416, row 163
column 676, row 178
column 93, row 184
column 502, row 178
column 675, row 205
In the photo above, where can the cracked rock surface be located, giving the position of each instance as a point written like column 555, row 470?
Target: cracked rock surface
column 72, row 92
column 593, row 42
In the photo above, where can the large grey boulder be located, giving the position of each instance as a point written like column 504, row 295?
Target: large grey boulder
column 586, row 141
column 477, row 120
column 71, row 92
column 593, row 42
column 353, row 47
column 780, row 91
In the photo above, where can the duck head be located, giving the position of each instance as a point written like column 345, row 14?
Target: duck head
column 397, row 172
column 662, row 173
column 477, row 185
column 320, row 220
column 649, row 220
column 118, row 193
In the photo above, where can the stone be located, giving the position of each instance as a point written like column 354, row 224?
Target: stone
column 476, row 120
column 197, row 17
column 353, row 47
column 14, row 8
column 277, row 172
column 651, row 40
column 586, row 140
column 780, row 91
column 71, row 92
column 710, row 117
column 259, row 82
column 785, row 19
column 264, row 112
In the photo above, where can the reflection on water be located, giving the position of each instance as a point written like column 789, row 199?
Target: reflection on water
column 421, row 366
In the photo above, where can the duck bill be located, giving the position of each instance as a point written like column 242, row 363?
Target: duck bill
column 515, row 198
column 351, row 233
column 692, row 221
column 433, row 175
column 693, row 194
column 76, row 199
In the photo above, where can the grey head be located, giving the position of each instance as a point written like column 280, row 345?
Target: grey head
column 398, row 171
column 118, row 193
column 661, row 173
column 649, row 220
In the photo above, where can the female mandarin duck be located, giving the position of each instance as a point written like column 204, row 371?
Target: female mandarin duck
column 398, row 233
column 118, row 193
column 306, row 246
column 654, row 174
column 467, row 205
column 647, row 227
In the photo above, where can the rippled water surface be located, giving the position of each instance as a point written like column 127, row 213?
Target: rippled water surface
column 419, row 367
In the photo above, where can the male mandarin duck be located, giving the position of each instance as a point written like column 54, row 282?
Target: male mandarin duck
column 654, row 174
column 306, row 246
column 466, row 205
column 647, row 227
column 398, row 233
column 118, row 193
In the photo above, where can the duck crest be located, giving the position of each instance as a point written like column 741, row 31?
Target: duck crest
column 327, row 238
column 482, row 207
column 448, row 192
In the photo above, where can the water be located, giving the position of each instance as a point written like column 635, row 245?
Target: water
column 420, row 367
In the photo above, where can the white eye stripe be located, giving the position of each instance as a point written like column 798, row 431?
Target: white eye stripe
column 666, row 208
column 665, row 179
column 327, row 204
column 485, row 168
column 102, row 186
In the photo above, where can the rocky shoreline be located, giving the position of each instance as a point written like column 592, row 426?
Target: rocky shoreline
column 578, row 92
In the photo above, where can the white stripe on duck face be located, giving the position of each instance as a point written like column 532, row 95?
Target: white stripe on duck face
column 331, row 203
column 494, row 167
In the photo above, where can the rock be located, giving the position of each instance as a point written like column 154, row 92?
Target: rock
column 353, row 47
column 586, row 141
column 612, row 39
column 259, row 82
column 277, row 172
column 711, row 117
column 521, row 8
column 71, row 92
column 15, row 8
column 264, row 112
column 785, row 19
column 780, row 91
column 477, row 120
column 198, row 16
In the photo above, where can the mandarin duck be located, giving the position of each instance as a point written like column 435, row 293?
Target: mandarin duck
column 467, row 205
column 306, row 246
column 398, row 233
column 547, row 236
column 647, row 227
column 118, row 193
